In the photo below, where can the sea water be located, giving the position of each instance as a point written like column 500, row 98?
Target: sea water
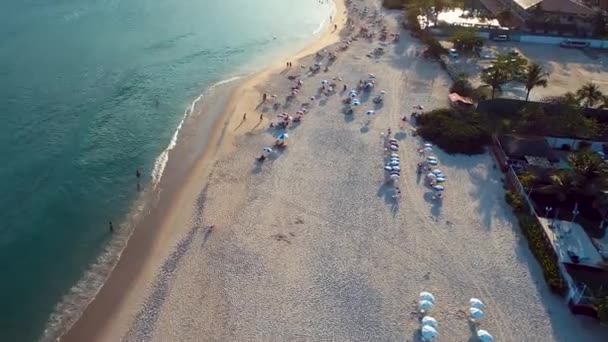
column 92, row 90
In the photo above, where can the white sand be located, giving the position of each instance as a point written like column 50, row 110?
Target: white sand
column 310, row 246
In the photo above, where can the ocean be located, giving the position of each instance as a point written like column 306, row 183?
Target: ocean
column 91, row 92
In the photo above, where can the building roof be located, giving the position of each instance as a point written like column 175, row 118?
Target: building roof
column 565, row 6
column 560, row 6
column 525, row 4
column 518, row 147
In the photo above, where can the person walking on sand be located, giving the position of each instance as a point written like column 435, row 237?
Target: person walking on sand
column 244, row 116
column 264, row 97
column 261, row 117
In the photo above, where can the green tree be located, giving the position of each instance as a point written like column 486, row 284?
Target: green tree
column 587, row 165
column 568, row 99
column 534, row 76
column 495, row 77
column 462, row 86
column 589, row 94
column 466, row 39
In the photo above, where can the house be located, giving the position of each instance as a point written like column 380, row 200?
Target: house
column 546, row 16
column 521, row 151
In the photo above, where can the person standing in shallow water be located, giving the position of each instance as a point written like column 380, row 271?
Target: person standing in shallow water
column 111, row 227
column 138, row 176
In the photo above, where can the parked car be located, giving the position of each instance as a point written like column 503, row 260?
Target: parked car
column 453, row 53
column 500, row 38
column 574, row 44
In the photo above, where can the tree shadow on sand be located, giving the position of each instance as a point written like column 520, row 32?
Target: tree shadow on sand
column 387, row 191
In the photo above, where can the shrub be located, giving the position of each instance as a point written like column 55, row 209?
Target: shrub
column 540, row 247
column 453, row 132
column 463, row 87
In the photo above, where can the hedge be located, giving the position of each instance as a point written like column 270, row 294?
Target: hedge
column 540, row 247
column 453, row 132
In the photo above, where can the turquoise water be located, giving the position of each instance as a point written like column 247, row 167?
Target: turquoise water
column 91, row 91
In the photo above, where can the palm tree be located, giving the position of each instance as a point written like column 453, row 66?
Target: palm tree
column 590, row 93
column 587, row 165
column 534, row 76
column 495, row 77
column 604, row 104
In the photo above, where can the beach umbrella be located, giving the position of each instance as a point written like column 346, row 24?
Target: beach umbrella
column 428, row 149
column 430, row 321
column 428, row 145
column 267, row 150
column 369, row 85
column 427, row 296
column 438, row 188
column 382, row 92
column 393, row 141
column 440, row 179
column 476, row 303
column 283, row 136
column 304, row 110
column 388, row 168
column 395, row 177
column 484, row 336
column 324, row 82
column 394, row 162
column 312, row 98
column 372, row 76
column 475, row 314
column 432, row 162
column 431, row 176
column 353, row 96
column 356, row 103
column 431, row 158
column 370, row 112
column 437, row 171
column 396, row 167
column 394, row 155
column 428, row 333
column 394, row 148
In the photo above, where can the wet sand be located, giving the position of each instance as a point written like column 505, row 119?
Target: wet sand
column 310, row 244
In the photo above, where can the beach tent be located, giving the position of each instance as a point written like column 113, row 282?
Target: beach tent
column 427, row 296
column 484, row 336
column 430, row 321
column 428, row 333
column 476, row 303
column 475, row 314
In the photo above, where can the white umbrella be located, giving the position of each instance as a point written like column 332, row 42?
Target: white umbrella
column 438, row 188
column 428, row 145
column 484, row 336
column 430, row 321
column 437, row 171
column 267, row 150
column 475, row 314
column 395, row 177
column 395, row 155
column 394, row 148
column 312, row 98
column 394, row 162
column 428, row 333
column 431, row 158
column 370, row 112
column 431, row 176
column 283, row 136
column 428, row 149
column 427, row 296
column 396, row 167
column 432, row 162
column 440, row 179
column 388, row 168
column 372, row 76
column 425, row 305
column 352, row 92
column 324, row 82
column 476, row 303
column 383, row 92
column 369, row 85
column 356, row 103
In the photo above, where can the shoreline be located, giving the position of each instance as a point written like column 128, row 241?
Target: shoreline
column 146, row 247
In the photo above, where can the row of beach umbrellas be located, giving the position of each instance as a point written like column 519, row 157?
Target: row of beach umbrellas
column 392, row 166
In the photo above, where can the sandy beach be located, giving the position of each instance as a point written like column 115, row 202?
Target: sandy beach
column 310, row 245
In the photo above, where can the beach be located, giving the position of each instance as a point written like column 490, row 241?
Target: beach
column 310, row 244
